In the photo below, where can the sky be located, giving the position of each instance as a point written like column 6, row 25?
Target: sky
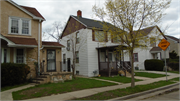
column 60, row 10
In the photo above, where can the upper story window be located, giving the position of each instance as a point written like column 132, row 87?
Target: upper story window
column 99, row 36
column 19, row 26
column 68, row 45
column 115, row 38
column 77, row 37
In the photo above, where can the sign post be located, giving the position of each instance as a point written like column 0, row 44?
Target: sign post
column 164, row 45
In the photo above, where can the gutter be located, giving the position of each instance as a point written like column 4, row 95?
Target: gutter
column 39, row 49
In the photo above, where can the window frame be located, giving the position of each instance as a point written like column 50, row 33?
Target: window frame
column 77, row 37
column 64, row 58
column 77, row 56
column 94, row 36
column 20, row 26
column 24, row 55
column 135, row 57
column 68, row 44
column 17, row 56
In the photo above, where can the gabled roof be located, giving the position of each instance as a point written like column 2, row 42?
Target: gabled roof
column 90, row 23
column 28, row 10
column 51, row 44
column 22, row 41
column 156, row 49
column 173, row 38
column 148, row 30
column 33, row 11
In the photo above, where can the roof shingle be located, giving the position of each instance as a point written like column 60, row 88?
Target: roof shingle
column 174, row 38
column 47, row 43
column 22, row 41
column 33, row 11
column 156, row 49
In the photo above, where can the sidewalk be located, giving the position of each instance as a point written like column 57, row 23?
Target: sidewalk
column 7, row 95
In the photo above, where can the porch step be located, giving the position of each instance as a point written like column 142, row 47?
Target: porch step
column 39, row 79
column 36, row 82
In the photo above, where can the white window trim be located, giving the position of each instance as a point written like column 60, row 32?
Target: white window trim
column 19, row 26
column 15, row 49
column 2, row 55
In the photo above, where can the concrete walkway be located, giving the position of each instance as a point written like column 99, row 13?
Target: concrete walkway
column 7, row 95
column 85, row 92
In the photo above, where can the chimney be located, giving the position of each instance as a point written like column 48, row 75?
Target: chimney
column 79, row 13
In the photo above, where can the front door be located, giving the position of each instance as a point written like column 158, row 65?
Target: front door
column 51, row 60
column 69, row 64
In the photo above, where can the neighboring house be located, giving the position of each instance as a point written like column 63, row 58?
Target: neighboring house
column 21, row 38
column 152, row 51
column 174, row 44
column 98, row 54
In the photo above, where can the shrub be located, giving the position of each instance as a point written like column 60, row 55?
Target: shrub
column 13, row 74
column 174, row 65
column 154, row 64
column 173, row 55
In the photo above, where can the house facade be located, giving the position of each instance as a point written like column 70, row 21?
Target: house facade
column 174, row 44
column 96, row 55
column 21, row 38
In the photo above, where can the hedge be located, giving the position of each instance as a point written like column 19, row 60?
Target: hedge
column 13, row 74
column 174, row 65
column 154, row 64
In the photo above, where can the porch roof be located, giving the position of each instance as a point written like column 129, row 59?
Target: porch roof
column 51, row 44
column 18, row 41
column 155, row 50
column 110, row 47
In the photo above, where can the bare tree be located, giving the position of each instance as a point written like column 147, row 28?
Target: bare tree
column 54, row 31
column 128, row 15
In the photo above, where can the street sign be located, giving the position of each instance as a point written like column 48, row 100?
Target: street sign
column 164, row 44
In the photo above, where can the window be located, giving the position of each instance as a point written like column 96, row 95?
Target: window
column 152, row 42
column 19, row 56
column 64, row 58
column 99, row 36
column 115, row 39
column 68, row 45
column 135, row 57
column 19, row 26
column 77, row 37
column 77, row 56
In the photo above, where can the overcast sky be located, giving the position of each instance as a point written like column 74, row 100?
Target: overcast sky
column 60, row 10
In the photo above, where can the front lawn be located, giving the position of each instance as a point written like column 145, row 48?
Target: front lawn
column 177, row 72
column 149, row 75
column 58, row 88
column 11, row 87
column 125, row 91
column 121, row 79
column 175, row 79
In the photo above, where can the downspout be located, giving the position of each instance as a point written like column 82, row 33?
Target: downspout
column 39, row 49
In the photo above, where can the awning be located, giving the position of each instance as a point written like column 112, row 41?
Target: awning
column 51, row 44
column 156, row 50
column 19, row 42
column 111, row 47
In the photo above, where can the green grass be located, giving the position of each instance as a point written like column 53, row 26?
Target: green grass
column 125, row 91
column 149, row 75
column 121, row 79
column 11, row 87
column 175, row 79
column 58, row 88
column 177, row 72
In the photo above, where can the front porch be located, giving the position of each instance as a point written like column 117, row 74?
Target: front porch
column 110, row 61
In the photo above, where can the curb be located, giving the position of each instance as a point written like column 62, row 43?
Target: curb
column 143, row 93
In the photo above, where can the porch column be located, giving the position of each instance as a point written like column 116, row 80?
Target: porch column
column 108, row 60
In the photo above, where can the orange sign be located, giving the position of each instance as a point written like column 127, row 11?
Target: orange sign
column 164, row 44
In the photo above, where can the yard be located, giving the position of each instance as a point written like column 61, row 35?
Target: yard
column 121, row 79
column 58, row 88
column 125, row 91
column 149, row 75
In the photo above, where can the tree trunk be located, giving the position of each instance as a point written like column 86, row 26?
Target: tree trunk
column 132, row 70
column 73, row 68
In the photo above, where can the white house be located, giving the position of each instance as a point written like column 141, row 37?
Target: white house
column 94, row 54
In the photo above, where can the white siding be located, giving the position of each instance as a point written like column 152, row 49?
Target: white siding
column 82, row 66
